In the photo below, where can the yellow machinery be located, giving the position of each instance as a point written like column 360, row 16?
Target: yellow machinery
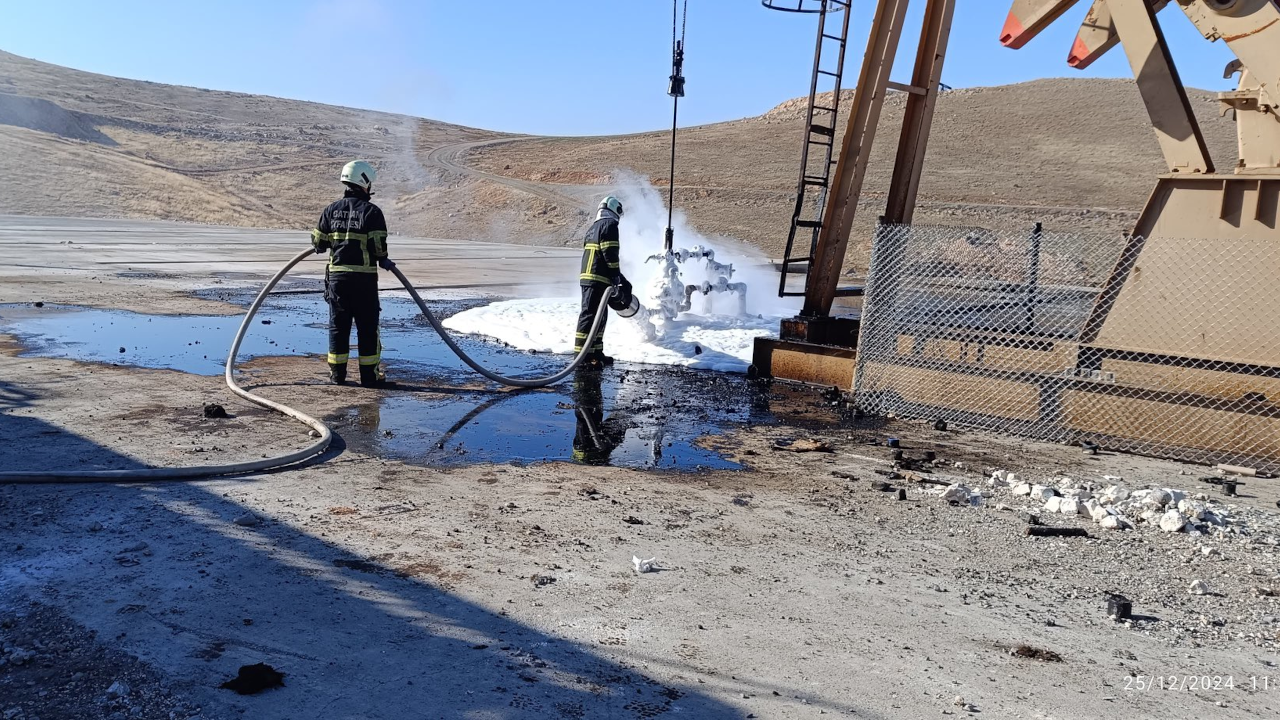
column 1185, row 326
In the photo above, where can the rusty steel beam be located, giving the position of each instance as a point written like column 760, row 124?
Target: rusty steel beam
column 1098, row 35
column 855, row 151
column 1162, row 91
column 1028, row 18
column 918, row 120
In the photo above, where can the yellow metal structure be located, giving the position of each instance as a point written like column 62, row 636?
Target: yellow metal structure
column 1233, row 362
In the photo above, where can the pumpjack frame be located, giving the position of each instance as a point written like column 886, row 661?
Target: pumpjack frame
column 1191, row 203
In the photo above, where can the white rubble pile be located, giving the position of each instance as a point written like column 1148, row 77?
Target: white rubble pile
column 1112, row 505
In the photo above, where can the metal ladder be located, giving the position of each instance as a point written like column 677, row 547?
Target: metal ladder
column 816, row 155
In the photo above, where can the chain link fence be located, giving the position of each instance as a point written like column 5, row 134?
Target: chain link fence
column 1164, row 347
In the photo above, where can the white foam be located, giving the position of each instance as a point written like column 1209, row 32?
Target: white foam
column 548, row 325
column 725, row 341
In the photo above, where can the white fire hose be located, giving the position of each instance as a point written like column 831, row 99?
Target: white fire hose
column 325, row 434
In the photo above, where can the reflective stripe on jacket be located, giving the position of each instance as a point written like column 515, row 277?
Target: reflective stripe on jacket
column 354, row 232
column 600, row 263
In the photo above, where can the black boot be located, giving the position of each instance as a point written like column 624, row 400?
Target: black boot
column 338, row 374
column 371, row 376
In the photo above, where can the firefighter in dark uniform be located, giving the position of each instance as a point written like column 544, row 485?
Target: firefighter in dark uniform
column 601, row 269
column 355, row 234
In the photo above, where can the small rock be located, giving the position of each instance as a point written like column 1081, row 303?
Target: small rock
column 1159, row 498
column 1172, row 521
column 314, row 434
column 118, row 689
column 1115, row 522
column 1042, row 493
column 1114, row 494
column 1053, row 504
column 644, row 566
column 1209, row 551
column 1192, row 509
column 1022, row 489
column 541, row 580
column 136, row 547
column 1069, row 506
column 122, row 349
column 956, row 494
column 1099, row 513
column 248, row 520
column 1199, row 587
column 97, row 526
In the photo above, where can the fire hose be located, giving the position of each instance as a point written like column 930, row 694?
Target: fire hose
column 321, row 431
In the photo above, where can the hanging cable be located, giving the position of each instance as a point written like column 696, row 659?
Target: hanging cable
column 676, row 90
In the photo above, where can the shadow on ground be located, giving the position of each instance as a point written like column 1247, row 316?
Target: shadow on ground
column 357, row 637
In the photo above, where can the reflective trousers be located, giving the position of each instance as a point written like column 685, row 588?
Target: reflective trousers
column 353, row 298
column 592, row 295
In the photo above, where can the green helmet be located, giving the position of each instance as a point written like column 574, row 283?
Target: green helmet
column 612, row 204
column 359, row 173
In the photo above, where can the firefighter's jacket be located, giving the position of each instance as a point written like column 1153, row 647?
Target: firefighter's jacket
column 354, row 232
column 600, row 264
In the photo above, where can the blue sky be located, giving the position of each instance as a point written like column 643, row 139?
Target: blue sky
column 558, row 67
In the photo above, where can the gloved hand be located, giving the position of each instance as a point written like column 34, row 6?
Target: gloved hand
column 385, row 263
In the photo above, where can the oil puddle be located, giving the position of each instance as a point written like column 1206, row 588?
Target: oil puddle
column 629, row 416
column 651, row 418
column 289, row 325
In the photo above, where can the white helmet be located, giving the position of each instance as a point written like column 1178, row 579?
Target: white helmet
column 612, row 204
column 359, row 173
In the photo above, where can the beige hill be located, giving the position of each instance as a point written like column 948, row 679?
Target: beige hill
column 1077, row 154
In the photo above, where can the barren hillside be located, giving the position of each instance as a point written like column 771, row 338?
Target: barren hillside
column 1078, row 154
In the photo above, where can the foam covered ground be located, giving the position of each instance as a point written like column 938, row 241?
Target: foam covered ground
column 716, row 342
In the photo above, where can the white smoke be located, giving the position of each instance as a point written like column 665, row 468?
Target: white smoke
column 642, row 232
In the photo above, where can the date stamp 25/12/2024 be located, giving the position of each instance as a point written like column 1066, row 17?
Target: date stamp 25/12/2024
column 1199, row 683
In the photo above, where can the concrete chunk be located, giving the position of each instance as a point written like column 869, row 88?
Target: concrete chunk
column 1172, row 521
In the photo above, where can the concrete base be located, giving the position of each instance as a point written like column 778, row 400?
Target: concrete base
column 804, row 362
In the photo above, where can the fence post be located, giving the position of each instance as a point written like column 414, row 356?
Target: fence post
column 1033, row 278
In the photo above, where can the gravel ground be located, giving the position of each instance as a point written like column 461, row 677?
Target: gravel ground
column 794, row 588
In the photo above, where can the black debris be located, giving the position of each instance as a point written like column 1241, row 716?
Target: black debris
column 1033, row 653
column 215, row 411
column 1119, row 607
column 1041, row 531
column 253, row 679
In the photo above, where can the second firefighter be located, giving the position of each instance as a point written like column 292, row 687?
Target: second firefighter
column 601, row 270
